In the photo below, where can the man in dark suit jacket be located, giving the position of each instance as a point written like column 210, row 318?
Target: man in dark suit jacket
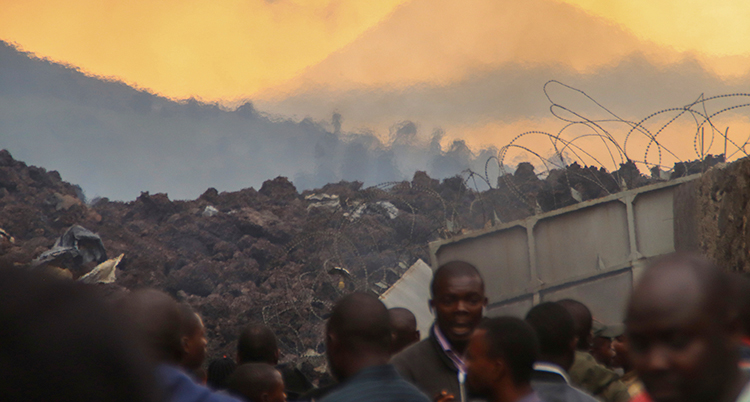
column 436, row 364
column 554, row 328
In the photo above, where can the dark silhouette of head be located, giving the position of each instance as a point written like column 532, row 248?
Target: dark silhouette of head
column 193, row 338
column 404, row 330
column 219, row 371
column 500, row 358
column 358, row 335
column 257, row 382
column 458, row 301
column 741, row 284
column 62, row 342
column 684, row 331
column 555, row 331
column 157, row 320
column 257, row 344
column 583, row 322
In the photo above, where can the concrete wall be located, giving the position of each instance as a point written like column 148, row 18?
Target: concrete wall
column 591, row 251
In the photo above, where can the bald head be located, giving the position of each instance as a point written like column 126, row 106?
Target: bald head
column 257, row 382
column 403, row 328
column 582, row 321
column 682, row 328
column 358, row 334
column 158, row 323
column 257, row 344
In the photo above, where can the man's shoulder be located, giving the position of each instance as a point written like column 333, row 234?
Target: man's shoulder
column 560, row 392
column 416, row 351
column 394, row 389
column 586, row 369
column 181, row 388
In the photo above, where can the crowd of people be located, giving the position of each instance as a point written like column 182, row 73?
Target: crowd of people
column 684, row 338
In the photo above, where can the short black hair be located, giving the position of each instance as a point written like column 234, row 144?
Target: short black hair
column 252, row 380
column 61, row 341
column 451, row 269
column 219, row 371
column 514, row 341
column 362, row 322
column 582, row 321
column 257, row 344
column 554, row 328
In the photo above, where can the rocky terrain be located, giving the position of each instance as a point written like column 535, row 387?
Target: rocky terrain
column 275, row 255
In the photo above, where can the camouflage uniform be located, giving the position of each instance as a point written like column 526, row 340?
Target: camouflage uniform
column 597, row 380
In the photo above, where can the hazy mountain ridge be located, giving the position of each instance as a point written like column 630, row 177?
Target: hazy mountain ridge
column 117, row 141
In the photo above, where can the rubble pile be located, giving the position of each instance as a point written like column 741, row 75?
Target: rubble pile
column 271, row 255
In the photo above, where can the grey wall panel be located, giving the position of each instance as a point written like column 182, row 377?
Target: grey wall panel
column 654, row 222
column 502, row 257
column 606, row 296
column 412, row 292
column 589, row 251
column 518, row 308
column 572, row 245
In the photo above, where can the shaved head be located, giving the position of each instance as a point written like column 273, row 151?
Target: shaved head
column 458, row 301
column 683, row 331
column 582, row 321
column 158, row 323
column 361, row 319
column 257, row 344
column 454, row 269
column 357, row 333
column 254, row 380
column 403, row 328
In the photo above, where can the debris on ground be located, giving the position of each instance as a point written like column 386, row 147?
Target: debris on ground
column 272, row 255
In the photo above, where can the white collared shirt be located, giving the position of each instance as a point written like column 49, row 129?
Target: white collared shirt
column 552, row 368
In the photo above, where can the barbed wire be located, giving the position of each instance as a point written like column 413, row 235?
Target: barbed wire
column 591, row 157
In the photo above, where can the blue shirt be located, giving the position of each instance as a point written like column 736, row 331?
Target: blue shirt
column 178, row 387
column 376, row 384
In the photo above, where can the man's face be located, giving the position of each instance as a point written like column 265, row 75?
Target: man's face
column 482, row 371
column 680, row 351
column 621, row 357
column 602, row 351
column 458, row 304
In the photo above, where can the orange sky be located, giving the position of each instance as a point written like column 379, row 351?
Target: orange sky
column 219, row 50
column 268, row 50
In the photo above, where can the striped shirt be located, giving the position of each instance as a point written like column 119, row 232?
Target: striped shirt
column 455, row 357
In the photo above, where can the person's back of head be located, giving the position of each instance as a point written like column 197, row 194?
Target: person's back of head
column 257, row 382
column 741, row 290
column 500, row 358
column 257, row 344
column 157, row 320
column 555, row 332
column 192, row 338
column 358, row 334
column 61, row 342
column 404, row 330
column 583, row 321
column 219, row 371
